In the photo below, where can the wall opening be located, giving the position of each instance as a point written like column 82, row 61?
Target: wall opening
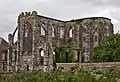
column 70, row 33
column 41, row 54
column 42, row 31
column 53, row 32
column 61, row 33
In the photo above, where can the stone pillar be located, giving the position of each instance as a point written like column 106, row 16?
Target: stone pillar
column 10, row 39
column 50, row 57
column 38, row 58
column 50, row 49
column 46, row 58
column 66, row 33
column 18, row 49
column 58, row 35
column 33, row 48
column 76, row 39
column 48, row 52
column 80, row 57
column 21, row 48
column 8, row 59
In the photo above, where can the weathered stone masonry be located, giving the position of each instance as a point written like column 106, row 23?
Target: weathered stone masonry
column 38, row 34
column 3, row 54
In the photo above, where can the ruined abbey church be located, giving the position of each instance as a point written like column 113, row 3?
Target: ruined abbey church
column 36, row 34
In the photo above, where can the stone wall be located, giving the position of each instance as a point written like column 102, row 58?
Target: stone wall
column 38, row 33
column 68, row 66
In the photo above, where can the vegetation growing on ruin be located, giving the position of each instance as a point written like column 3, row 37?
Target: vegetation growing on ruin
column 63, row 54
column 109, row 51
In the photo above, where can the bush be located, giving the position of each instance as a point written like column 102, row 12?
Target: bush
column 109, row 51
column 59, row 76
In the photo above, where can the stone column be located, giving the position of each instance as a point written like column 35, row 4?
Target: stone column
column 38, row 58
column 48, row 52
column 66, row 33
column 50, row 49
column 8, row 60
column 76, row 39
column 46, row 58
column 80, row 42
column 21, row 48
column 18, row 49
column 10, row 39
column 33, row 48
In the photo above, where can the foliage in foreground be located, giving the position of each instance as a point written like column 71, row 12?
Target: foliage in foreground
column 63, row 54
column 60, row 76
column 109, row 51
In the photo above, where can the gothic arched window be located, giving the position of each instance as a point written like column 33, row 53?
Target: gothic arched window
column 53, row 32
column 61, row 33
column 42, row 31
column 27, row 34
column 70, row 33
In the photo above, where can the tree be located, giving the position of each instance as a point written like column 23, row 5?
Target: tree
column 109, row 51
column 63, row 55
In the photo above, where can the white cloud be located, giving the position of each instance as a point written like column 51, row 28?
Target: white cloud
column 62, row 9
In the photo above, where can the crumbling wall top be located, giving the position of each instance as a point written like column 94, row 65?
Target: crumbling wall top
column 92, row 18
column 34, row 13
column 26, row 14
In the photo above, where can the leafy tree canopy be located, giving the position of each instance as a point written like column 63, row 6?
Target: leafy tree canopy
column 109, row 51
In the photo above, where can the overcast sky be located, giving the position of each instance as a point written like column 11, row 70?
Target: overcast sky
column 61, row 9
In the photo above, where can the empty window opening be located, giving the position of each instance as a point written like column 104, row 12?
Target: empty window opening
column 53, row 32
column 61, row 33
column 70, row 32
column 42, row 31
column 95, row 38
column 42, row 53
column 26, row 34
